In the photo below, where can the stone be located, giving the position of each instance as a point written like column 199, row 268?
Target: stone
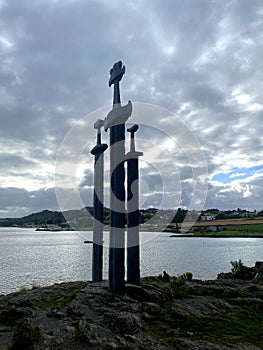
column 259, row 276
column 150, row 308
column 259, row 265
column 143, row 293
column 245, row 273
column 93, row 318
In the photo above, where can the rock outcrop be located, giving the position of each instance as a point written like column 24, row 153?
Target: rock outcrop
column 244, row 272
column 85, row 315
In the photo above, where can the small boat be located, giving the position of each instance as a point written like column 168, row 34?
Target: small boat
column 88, row 241
column 54, row 228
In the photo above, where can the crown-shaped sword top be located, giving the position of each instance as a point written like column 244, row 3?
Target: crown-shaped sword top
column 116, row 74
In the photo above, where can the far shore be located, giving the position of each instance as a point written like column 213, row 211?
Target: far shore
column 214, row 236
column 174, row 233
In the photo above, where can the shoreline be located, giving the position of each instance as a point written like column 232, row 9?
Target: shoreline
column 168, row 232
column 213, row 236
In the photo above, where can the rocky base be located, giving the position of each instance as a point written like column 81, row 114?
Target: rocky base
column 157, row 315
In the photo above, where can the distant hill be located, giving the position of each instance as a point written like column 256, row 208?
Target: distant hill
column 40, row 218
column 48, row 217
column 79, row 217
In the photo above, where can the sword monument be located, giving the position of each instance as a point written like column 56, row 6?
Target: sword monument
column 133, row 242
column 98, row 151
column 115, row 121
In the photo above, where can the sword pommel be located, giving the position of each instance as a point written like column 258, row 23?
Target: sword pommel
column 133, row 128
column 99, row 124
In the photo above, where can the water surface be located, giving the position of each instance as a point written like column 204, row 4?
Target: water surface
column 30, row 258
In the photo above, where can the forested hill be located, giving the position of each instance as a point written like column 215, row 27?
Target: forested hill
column 62, row 218
column 49, row 217
column 43, row 217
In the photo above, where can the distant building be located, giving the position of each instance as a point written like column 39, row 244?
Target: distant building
column 214, row 228
column 209, row 217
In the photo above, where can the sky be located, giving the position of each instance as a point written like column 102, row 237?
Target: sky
column 199, row 62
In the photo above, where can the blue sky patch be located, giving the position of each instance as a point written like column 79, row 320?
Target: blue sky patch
column 237, row 174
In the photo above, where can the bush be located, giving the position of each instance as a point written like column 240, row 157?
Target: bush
column 186, row 276
column 163, row 277
column 236, row 267
column 177, row 288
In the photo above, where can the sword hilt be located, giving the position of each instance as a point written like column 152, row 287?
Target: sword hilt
column 98, row 125
column 133, row 130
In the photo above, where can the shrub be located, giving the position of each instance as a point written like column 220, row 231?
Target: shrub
column 236, row 267
column 186, row 276
column 177, row 288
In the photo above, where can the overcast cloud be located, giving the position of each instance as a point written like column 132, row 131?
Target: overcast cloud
column 200, row 59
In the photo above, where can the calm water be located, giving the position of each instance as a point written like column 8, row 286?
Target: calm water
column 31, row 258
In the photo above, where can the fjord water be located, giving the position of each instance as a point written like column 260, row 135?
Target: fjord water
column 30, row 258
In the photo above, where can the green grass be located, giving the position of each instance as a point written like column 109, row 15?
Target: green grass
column 252, row 227
column 59, row 298
column 55, row 298
column 253, row 230
column 244, row 324
column 233, row 234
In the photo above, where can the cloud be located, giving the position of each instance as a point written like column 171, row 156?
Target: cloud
column 200, row 59
column 236, row 175
column 17, row 202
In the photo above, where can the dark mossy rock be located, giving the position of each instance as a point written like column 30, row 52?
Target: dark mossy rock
column 221, row 314
column 244, row 273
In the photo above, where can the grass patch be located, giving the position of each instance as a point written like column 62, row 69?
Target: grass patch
column 244, row 324
column 59, row 298
column 157, row 281
column 231, row 233
column 245, row 228
column 233, row 230
column 21, row 291
column 242, row 230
